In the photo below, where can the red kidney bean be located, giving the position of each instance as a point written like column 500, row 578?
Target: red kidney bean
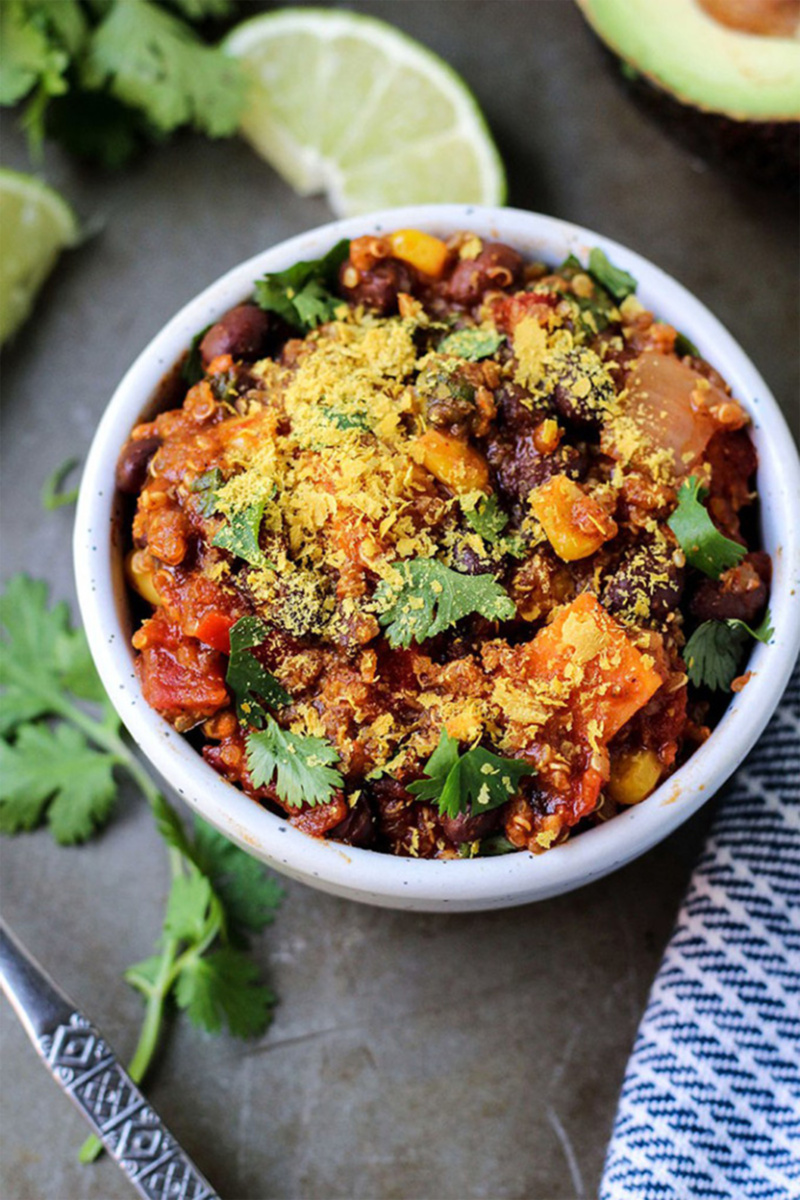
column 357, row 828
column 740, row 594
column 378, row 287
column 468, row 829
column 654, row 575
column 132, row 464
column 496, row 267
column 242, row 332
column 519, row 467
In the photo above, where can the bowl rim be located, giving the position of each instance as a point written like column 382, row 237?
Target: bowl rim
column 455, row 884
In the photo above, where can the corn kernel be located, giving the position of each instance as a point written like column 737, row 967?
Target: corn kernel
column 139, row 573
column 633, row 776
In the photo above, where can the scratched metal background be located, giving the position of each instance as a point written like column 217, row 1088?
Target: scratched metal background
column 412, row 1057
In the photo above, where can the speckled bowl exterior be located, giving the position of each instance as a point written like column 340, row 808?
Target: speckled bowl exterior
column 462, row 884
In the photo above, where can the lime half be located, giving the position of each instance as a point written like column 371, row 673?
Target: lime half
column 35, row 226
column 348, row 105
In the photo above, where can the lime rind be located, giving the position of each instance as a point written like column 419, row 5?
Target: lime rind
column 368, row 109
column 36, row 224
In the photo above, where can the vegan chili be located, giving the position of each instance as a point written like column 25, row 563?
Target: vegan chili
column 443, row 551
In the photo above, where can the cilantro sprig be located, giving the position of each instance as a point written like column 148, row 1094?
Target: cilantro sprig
column 488, row 519
column 303, row 295
column 473, row 782
column 240, row 532
column 430, row 597
column 714, row 653
column 106, row 77
column 61, row 755
column 301, row 766
column 251, row 684
column 704, row 546
column 471, row 344
column 616, row 281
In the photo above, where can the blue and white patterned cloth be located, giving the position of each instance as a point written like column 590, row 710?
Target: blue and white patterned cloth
column 710, row 1106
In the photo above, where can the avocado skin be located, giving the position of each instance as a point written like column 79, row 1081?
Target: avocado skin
column 767, row 153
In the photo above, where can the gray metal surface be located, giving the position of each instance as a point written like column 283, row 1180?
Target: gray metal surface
column 412, row 1056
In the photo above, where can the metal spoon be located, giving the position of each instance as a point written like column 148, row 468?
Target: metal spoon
column 85, row 1066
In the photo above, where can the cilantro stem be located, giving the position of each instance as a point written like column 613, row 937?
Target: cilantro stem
column 153, row 1014
column 157, row 995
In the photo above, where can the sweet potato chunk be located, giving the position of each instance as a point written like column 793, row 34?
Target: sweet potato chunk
column 608, row 678
column 455, row 464
column 574, row 522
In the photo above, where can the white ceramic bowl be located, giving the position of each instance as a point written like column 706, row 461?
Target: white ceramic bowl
column 456, row 885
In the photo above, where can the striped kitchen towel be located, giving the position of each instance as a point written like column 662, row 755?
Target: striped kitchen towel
column 710, row 1105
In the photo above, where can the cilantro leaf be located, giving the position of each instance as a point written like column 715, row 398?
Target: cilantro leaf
column 143, row 975
column 153, row 62
column 616, row 281
column 192, row 365
column 223, row 986
column 684, row 346
column 300, row 766
column 704, row 546
column 206, row 486
column 40, row 655
column 34, row 49
column 239, row 535
column 495, row 845
column 250, row 897
column 55, row 769
column 248, row 680
column 471, row 783
column 472, row 344
column 762, row 633
column 98, row 127
column 714, row 653
column 487, row 518
column 170, row 828
column 199, row 10
column 191, row 907
column 432, row 597
column 303, row 295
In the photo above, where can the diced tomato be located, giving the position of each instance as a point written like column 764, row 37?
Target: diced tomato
column 508, row 311
column 317, row 821
column 214, row 630
column 181, row 679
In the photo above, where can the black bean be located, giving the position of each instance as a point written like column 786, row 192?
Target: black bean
column 468, row 561
column 581, row 388
column 243, row 332
column 132, row 464
column 646, row 583
column 358, row 827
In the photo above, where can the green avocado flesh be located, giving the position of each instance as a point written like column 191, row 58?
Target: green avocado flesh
column 678, row 46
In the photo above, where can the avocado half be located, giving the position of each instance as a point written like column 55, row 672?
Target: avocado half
column 724, row 74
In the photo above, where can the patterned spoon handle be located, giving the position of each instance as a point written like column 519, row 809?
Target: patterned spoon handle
column 87, row 1069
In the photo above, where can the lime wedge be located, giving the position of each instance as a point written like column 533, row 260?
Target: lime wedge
column 35, row 226
column 348, row 105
